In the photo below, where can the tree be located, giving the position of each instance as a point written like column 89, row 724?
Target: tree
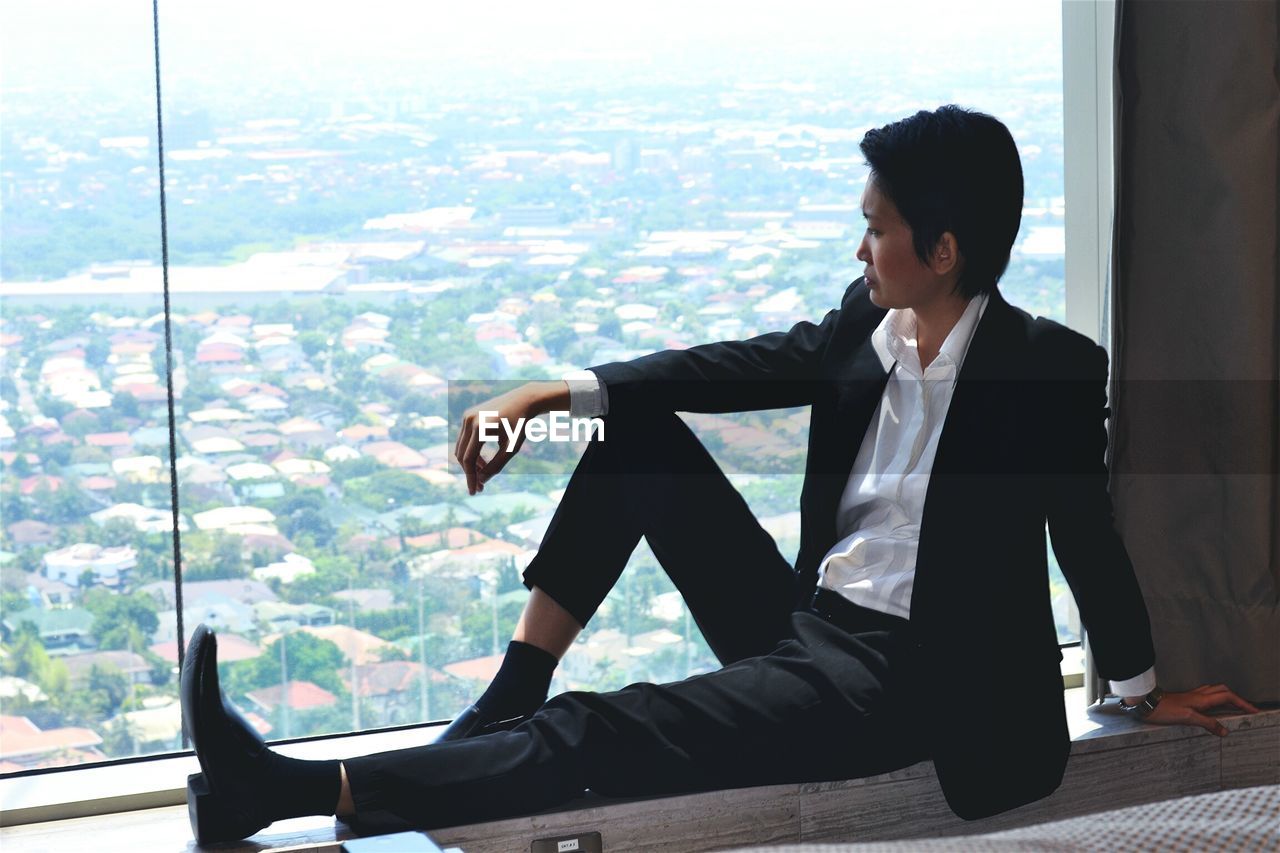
column 387, row 488
column 126, row 404
column 610, row 327
column 309, row 659
column 12, row 507
column 56, row 409
column 213, row 556
column 393, row 653
column 310, row 521
column 100, row 697
column 96, row 352
column 28, row 659
column 313, row 343
column 228, row 556
column 109, row 687
column 556, row 336
column 121, row 621
column 351, row 468
column 87, row 453
column 120, row 531
column 21, row 467
column 13, row 601
column 64, row 506
column 121, row 738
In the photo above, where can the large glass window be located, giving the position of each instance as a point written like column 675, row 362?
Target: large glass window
column 85, row 515
column 364, row 207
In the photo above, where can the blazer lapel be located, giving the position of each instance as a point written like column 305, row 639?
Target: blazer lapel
column 836, row 430
column 987, row 386
column 980, row 441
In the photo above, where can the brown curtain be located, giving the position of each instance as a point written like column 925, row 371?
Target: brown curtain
column 1196, row 333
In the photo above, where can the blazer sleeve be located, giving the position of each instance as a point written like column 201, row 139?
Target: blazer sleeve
column 1082, row 520
column 770, row 371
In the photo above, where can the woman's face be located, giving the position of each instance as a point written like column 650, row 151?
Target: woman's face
column 896, row 276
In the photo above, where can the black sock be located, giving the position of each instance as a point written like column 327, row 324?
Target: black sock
column 521, row 684
column 299, row 788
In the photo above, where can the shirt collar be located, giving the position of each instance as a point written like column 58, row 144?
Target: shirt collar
column 894, row 340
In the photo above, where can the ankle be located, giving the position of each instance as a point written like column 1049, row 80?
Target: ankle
column 296, row 787
column 346, row 806
column 546, row 624
column 521, row 684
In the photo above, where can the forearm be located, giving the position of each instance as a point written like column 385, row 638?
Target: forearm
column 549, row 396
column 771, row 371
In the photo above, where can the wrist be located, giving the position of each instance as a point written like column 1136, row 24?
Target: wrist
column 1144, row 706
column 548, row 396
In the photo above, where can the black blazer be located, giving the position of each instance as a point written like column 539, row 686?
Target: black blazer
column 1024, row 441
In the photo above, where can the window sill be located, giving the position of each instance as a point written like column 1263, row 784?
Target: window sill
column 1107, row 751
column 162, row 781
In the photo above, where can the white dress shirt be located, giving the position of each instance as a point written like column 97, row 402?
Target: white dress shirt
column 879, row 514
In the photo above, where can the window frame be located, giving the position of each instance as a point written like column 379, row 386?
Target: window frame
column 1088, row 31
column 1088, row 135
column 1088, row 26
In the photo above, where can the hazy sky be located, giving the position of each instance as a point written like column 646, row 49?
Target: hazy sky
column 70, row 42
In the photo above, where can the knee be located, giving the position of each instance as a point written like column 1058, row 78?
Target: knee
column 638, row 442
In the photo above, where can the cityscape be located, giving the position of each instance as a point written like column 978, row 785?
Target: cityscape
column 345, row 268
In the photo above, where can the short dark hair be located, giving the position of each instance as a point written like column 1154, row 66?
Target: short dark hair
column 954, row 170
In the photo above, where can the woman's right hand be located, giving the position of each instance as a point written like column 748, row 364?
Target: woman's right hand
column 517, row 406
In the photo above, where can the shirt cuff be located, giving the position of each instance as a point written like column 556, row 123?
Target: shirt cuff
column 1139, row 685
column 587, row 395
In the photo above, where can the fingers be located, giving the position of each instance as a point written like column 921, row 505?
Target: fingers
column 470, row 451
column 1207, row 723
column 460, row 446
column 457, row 445
column 1226, row 698
column 493, row 466
column 467, row 451
column 1243, row 703
column 1216, row 695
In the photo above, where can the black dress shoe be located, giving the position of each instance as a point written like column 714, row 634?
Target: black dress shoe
column 473, row 722
column 224, row 801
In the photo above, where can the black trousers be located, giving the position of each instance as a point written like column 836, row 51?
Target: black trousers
column 816, row 693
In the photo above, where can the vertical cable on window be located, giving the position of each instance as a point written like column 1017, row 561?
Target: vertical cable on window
column 168, row 354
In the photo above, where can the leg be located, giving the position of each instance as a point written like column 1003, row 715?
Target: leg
column 345, row 807
column 825, row 704
column 651, row 477
column 546, row 624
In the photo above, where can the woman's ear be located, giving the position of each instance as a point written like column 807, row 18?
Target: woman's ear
column 946, row 254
